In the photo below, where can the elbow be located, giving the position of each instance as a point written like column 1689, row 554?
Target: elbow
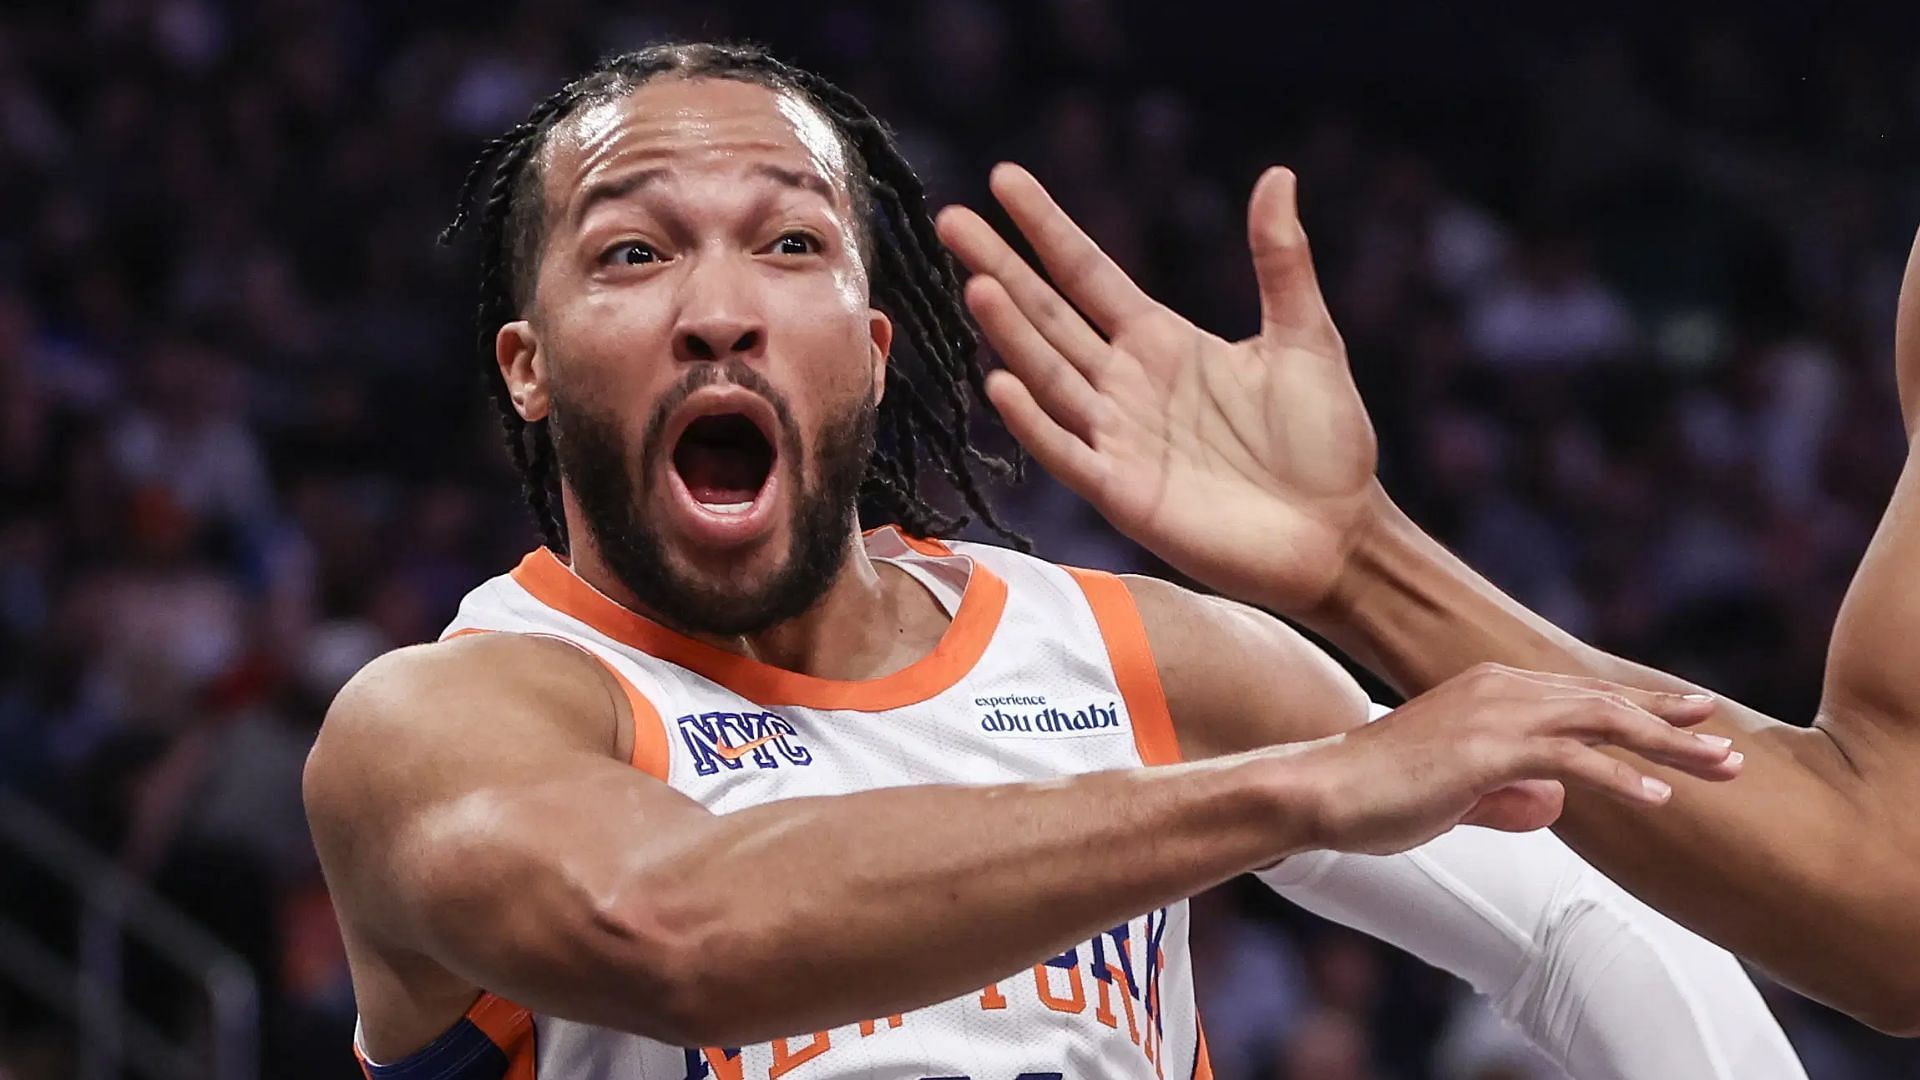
column 1896, row 1013
column 1905, row 1025
column 1902, row 1020
column 673, row 949
column 1874, row 984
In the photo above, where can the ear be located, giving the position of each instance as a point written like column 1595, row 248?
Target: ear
column 516, row 348
column 880, row 337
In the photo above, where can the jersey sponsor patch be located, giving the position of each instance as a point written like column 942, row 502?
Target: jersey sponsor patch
column 1032, row 716
column 736, row 740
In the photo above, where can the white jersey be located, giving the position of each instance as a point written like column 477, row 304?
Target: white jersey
column 1043, row 672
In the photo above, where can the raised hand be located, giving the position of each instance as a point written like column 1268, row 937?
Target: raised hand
column 1247, row 464
column 1494, row 746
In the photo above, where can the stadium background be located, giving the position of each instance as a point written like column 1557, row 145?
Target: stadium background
column 1619, row 292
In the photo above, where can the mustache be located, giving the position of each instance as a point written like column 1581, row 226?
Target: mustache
column 733, row 373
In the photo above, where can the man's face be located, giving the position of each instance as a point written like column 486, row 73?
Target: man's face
column 700, row 335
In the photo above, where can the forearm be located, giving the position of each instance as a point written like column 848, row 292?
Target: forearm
column 1609, row 988
column 1796, row 833
column 810, row 913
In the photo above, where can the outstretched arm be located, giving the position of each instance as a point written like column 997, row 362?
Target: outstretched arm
column 1811, row 864
column 1609, row 988
column 1249, row 466
column 468, row 814
column 466, row 809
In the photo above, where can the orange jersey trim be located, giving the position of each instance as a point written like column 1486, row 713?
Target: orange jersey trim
column 506, row 1025
column 1134, row 669
column 551, row 582
column 511, row 1029
column 1202, row 1066
column 650, row 754
column 925, row 545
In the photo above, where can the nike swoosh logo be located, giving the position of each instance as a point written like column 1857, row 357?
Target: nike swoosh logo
column 735, row 753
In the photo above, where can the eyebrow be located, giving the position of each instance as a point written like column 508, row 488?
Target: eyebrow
column 806, row 181
column 617, row 188
column 620, row 187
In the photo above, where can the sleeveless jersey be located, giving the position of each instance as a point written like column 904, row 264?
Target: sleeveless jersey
column 1043, row 672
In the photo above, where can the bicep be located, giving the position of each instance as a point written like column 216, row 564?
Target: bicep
column 481, row 822
column 1238, row 679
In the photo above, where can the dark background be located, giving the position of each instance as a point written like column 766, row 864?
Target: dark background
column 1618, row 286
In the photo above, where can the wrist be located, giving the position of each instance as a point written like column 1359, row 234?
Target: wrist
column 1374, row 543
column 1293, row 795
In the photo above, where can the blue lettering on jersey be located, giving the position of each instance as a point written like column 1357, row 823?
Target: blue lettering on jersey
column 697, row 1067
column 733, row 740
column 1047, row 721
column 1111, row 957
column 1156, row 932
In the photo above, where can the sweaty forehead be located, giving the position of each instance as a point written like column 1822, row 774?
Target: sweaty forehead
column 693, row 125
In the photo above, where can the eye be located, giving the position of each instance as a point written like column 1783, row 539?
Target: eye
column 631, row 253
column 796, row 243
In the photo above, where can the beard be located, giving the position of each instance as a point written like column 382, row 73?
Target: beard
column 611, row 485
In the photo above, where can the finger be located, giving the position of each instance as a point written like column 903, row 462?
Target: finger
column 984, row 251
column 1599, row 718
column 1682, row 709
column 1291, row 305
column 1055, row 385
column 1519, row 807
column 1058, row 450
column 1574, row 763
column 1725, row 769
column 1089, row 277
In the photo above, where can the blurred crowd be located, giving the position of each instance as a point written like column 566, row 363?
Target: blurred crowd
column 1619, row 297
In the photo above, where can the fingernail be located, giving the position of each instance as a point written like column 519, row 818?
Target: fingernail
column 1656, row 789
column 1698, row 698
column 1736, row 758
column 1714, row 740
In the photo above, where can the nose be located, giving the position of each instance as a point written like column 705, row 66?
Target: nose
column 719, row 318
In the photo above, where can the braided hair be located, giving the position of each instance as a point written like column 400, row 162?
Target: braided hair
column 912, row 280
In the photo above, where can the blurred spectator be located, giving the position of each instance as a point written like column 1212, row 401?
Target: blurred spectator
column 1550, row 311
column 1328, row 1045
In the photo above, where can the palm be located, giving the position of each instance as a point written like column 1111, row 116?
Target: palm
column 1245, row 464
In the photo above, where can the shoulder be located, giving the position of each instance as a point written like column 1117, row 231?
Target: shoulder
column 1237, row 678
column 417, row 713
column 417, row 688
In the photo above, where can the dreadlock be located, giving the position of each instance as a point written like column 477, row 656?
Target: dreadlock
column 912, row 280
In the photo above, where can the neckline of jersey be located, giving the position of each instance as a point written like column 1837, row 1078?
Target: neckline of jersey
column 552, row 582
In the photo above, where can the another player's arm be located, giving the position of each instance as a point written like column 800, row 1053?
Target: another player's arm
column 467, row 810
column 1906, row 342
column 1190, row 444
column 1631, row 995
column 1808, row 866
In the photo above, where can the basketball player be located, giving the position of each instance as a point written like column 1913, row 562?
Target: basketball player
column 713, row 784
column 1809, row 866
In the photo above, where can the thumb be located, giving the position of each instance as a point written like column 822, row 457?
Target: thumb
column 1519, row 807
column 1291, row 307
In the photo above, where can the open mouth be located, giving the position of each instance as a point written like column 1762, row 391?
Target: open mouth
column 724, row 459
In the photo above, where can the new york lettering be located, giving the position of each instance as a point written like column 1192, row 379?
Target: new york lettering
column 1112, row 981
column 714, row 740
